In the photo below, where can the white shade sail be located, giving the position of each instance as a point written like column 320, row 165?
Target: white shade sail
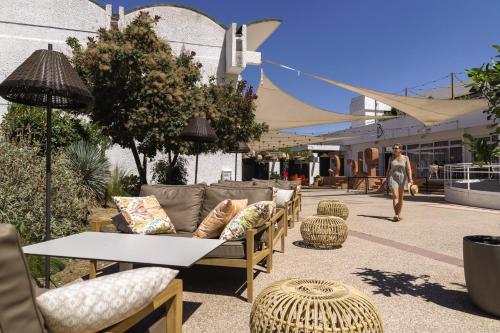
column 277, row 139
column 428, row 111
column 259, row 31
column 279, row 110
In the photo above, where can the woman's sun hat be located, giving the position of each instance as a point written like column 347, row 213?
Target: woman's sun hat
column 414, row 189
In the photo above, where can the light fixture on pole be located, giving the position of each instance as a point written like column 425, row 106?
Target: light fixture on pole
column 46, row 79
column 198, row 131
column 240, row 147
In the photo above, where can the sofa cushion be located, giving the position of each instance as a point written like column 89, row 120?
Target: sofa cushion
column 219, row 217
column 93, row 305
column 282, row 197
column 252, row 216
column 182, row 203
column 216, row 194
column 144, row 215
column 18, row 310
column 235, row 183
column 264, row 182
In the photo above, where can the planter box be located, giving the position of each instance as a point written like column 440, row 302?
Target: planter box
column 482, row 271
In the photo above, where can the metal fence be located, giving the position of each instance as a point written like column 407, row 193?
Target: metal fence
column 471, row 176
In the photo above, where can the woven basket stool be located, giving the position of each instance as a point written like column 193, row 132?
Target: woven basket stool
column 313, row 306
column 324, row 231
column 333, row 208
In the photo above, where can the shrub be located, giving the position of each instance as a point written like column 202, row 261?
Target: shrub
column 22, row 193
column 165, row 173
column 28, row 124
column 90, row 162
column 122, row 184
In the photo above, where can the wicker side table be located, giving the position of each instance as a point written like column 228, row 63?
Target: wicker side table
column 314, row 306
column 333, row 208
column 324, row 231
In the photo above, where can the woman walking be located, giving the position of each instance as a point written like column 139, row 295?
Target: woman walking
column 399, row 178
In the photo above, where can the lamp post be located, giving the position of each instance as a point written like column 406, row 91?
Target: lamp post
column 198, row 131
column 240, row 147
column 46, row 79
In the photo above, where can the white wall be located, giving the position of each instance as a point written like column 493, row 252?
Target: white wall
column 366, row 106
column 27, row 25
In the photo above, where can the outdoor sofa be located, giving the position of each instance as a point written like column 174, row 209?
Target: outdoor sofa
column 292, row 208
column 188, row 205
column 21, row 310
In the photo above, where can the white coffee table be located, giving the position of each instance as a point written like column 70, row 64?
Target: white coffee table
column 126, row 248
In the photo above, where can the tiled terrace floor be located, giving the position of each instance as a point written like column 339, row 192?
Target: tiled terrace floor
column 412, row 270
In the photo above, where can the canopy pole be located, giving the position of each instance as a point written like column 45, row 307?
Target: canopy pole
column 48, row 182
column 452, row 86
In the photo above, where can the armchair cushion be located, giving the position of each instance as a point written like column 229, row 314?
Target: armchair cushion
column 215, row 194
column 219, row 217
column 253, row 216
column 93, row 305
column 182, row 203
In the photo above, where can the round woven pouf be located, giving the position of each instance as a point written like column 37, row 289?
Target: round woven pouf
column 333, row 208
column 324, row 231
column 313, row 306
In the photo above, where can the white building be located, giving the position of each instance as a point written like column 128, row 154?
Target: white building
column 366, row 106
column 441, row 143
column 224, row 52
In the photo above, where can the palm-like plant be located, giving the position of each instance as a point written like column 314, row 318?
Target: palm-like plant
column 482, row 151
column 90, row 162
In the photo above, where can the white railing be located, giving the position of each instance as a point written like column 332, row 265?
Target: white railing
column 469, row 176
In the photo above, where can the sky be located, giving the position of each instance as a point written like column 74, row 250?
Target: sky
column 385, row 45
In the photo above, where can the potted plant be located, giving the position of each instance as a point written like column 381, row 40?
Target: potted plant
column 482, row 271
column 317, row 180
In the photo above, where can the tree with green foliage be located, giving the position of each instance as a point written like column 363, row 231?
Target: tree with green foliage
column 482, row 151
column 486, row 82
column 28, row 124
column 145, row 96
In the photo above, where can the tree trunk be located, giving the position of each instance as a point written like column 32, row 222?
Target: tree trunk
column 137, row 159
column 174, row 160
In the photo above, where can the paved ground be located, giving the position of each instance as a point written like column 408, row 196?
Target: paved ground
column 412, row 270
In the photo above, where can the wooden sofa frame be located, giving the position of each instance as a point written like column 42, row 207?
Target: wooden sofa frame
column 248, row 263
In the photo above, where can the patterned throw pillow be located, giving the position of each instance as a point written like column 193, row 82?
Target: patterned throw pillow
column 253, row 216
column 219, row 217
column 144, row 215
column 93, row 305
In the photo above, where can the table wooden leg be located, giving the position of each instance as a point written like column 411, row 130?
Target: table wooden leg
column 92, row 269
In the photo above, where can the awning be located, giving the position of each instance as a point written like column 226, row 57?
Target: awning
column 279, row 110
column 277, row 139
column 428, row 111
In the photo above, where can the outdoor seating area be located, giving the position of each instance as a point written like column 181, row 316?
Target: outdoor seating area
column 160, row 173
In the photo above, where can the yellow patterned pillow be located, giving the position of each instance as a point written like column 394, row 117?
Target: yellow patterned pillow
column 144, row 215
column 219, row 217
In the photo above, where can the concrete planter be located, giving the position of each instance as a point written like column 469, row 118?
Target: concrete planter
column 482, row 271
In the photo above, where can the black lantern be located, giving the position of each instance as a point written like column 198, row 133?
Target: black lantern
column 46, row 79
column 198, row 131
column 240, row 147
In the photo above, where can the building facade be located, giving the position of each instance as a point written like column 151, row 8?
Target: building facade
column 223, row 52
column 425, row 145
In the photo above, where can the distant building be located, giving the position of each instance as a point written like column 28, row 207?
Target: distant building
column 366, row 106
column 423, row 144
column 223, row 51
